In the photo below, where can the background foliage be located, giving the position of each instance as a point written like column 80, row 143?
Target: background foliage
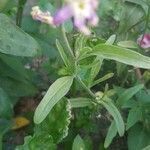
column 33, row 56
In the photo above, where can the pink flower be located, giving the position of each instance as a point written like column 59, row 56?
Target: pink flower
column 144, row 41
column 83, row 13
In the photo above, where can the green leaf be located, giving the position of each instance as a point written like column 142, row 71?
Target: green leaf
column 56, row 91
column 138, row 138
column 62, row 53
column 127, row 44
column 141, row 3
column 128, row 94
column 80, row 102
column 111, row 108
column 15, row 41
column 146, row 148
column 135, row 114
column 37, row 142
column 14, row 63
column 57, row 122
column 121, row 55
column 111, row 39
column 94, row 70
column 78, row 143
column 6, row 109
column 106, row 77
column 5, row 125
column 112, row 132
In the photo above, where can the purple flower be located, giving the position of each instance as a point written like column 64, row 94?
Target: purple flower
column 144, row 41
column 83, row 13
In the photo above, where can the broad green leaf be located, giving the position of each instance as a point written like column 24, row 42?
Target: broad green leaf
column 104, row 78
column 16, row 88
column 78, row 143
column 56, row 91
column 141, row 3
column 80, row 102
column 5, row 125
column 57, row 122
column 121, row 55
column 14, row 63
column 15, row 41
column 128, row 94
column 127, row 44
column 6, row 109
column 138, row 138
column 135, row 115
column 112, row 132
column 111, row 108
column 37, row 142
column 143, row 96
column 146, row 148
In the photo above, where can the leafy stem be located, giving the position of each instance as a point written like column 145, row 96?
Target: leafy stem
column 85, row 87
column 21, row 4
column 70, row 52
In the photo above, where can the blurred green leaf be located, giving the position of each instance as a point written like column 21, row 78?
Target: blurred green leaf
column 6, row 109
column 37, row 142
column 15, row 41
column 146, row 148
column 127, row 44
column 138, row 138
column 128, row 94
column 111, row 39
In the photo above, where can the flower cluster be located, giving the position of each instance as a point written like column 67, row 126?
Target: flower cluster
column 44, row 17
column 83, row 13
column 144, row 41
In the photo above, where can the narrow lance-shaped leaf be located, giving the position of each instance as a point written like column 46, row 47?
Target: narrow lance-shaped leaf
column 111, row 108
column 122, row 55
column 15, row 41
column 62, row 53
column 127, row 94
column 56, row 91
column 112, row 132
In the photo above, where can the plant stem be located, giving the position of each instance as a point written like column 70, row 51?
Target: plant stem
column 21, row 4
column 70, row 52
column 85, row 87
